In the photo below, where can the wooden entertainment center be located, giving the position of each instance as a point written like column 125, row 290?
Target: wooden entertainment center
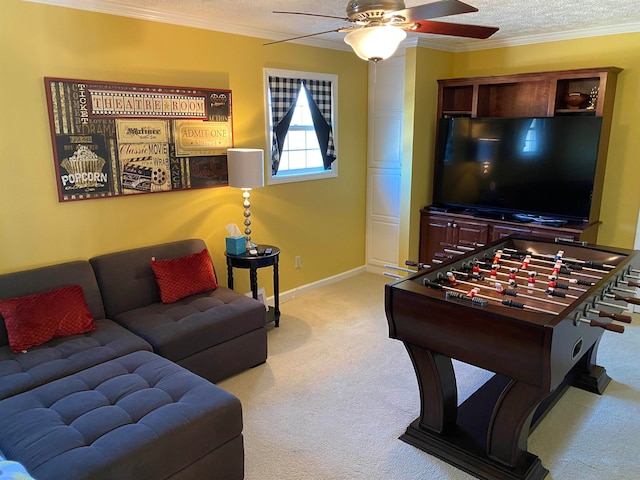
column 445, row 234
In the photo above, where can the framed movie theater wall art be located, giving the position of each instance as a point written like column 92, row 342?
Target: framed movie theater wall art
column 114, row 139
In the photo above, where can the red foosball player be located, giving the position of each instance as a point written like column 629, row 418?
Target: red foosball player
column 531, row 282
column 499, row 288
column 512, row 274
column 497, row 257
column 551, row 286
column 493, row 273
column 557, row 267
column 525, row 262
column 452, row 279
column 475, row 269
column 472, row 293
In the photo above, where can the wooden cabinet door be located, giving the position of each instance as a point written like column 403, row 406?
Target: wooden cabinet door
column 471, row 234
column 498, row 232
column 552, row 235
column 438, row 235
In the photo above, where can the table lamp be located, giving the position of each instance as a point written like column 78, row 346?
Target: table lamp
column 246, row 171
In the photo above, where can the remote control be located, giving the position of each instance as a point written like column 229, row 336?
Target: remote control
column 268, row 251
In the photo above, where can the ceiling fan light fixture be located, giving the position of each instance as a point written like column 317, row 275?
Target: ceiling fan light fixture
column 375, row 43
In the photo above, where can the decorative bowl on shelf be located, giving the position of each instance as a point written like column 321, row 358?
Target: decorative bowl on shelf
column 575, row 99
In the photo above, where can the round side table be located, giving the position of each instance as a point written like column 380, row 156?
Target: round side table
column 253, row 263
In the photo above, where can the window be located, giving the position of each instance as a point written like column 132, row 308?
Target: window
column 301, row 125
column 531, row 138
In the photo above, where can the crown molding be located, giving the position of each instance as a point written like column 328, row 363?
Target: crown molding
column 473, row 45
column 113, row 7
column 127, row 10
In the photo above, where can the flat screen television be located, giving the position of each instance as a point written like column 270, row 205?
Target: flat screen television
column 540, row 167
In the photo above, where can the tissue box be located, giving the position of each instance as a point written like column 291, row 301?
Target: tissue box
column 236, row 245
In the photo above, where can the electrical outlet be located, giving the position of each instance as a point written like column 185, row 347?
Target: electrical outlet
column 298, row 262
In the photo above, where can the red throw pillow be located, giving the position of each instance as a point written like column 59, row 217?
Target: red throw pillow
column 35, row 319
column 184, row 276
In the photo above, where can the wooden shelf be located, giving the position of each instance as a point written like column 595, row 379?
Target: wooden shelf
column 540, row 94
column 575, row 111
column 525, row 95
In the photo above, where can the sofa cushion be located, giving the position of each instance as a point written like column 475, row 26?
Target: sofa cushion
column 35, row 319
column 138, row 416
column 196, row 323
column 27, row 282
column 185, row 276
column 126, row 279
column 64, row 356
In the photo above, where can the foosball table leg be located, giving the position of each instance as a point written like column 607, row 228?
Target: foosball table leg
column 589, row 376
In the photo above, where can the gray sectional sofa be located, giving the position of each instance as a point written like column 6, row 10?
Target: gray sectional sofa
column 133, row 398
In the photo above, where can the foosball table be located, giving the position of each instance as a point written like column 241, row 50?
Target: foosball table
column 531, row 311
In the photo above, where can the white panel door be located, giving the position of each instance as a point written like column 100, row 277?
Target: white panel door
column 384, row 160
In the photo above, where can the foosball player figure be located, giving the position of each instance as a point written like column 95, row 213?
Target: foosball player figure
column 558, row 256
column 472, row 293
column 493, row 273
column 475, row 269
column 499, row 288
column 525, row 262
column 451, row 278
column 557, row 267
column 497, row 257
column 531, row 282
column 512, row 275
column 551, row 286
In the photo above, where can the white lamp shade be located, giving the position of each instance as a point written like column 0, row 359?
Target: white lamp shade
column 245, row 167
column 375, row 43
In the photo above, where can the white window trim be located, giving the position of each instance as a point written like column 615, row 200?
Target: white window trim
column 301, row 177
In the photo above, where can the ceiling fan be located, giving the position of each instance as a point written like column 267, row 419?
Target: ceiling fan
column 378, row 26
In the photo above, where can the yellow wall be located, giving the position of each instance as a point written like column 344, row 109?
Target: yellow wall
column 322, row 221
column 423, row 67
column 621, row 195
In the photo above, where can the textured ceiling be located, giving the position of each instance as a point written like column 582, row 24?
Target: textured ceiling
column 520, row 21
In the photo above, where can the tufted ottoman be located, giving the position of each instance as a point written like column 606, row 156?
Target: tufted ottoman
column 138, row 416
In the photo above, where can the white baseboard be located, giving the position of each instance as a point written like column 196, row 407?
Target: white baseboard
column 289, row 294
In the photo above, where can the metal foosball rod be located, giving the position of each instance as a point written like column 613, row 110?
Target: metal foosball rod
column 400, row 269
column 607, row 304
column 631, row 284
column 578, row 281
column 508, row 303
column 566, row 265
column 588, row 263
column 513, row 293
column 565, row 270
column 555, row 294
column 527, row 287
column 569, row 287
column 624, row 290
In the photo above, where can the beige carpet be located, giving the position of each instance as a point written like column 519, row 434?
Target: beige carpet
column 336, row 393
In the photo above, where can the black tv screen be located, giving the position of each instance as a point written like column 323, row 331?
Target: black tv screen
column 543, row 166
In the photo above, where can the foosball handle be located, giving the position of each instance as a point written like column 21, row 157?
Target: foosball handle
column 607, row 326
column 615, row 316
column 419, row 265
column 632, row 300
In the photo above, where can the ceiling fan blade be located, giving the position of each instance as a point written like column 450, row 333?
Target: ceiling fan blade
column 335, row 30
column 453, row 29
column 312, row 15
column 441, row 8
